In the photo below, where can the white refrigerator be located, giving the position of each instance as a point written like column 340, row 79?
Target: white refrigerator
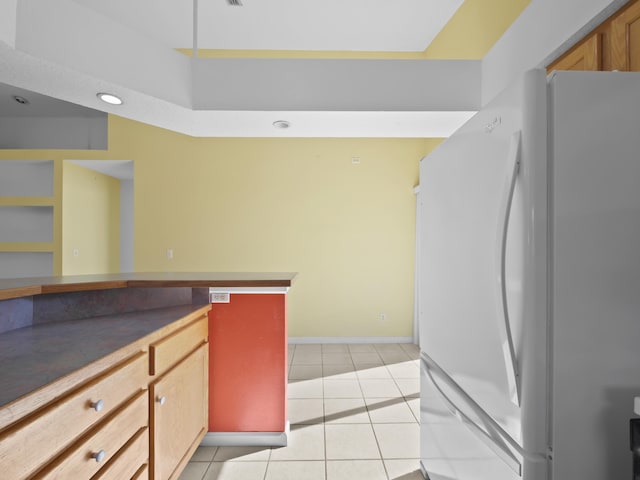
column 529, row 284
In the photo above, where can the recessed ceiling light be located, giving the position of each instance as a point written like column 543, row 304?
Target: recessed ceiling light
column 281, row 124
column 109, row 98
column 21, row 100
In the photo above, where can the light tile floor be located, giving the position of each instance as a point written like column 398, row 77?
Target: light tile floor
column 354, row 412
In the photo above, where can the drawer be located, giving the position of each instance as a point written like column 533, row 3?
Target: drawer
column 170, row 350
column 31, row 443
column 96, row 450
column 142, row 473
column 127, row 462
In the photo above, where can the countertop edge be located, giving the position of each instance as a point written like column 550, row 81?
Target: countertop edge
column 37, row 286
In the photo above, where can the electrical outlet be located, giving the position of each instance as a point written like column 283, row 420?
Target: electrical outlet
column 219, row 297
column 76, row 252
column 382, row 317
column 170, row 253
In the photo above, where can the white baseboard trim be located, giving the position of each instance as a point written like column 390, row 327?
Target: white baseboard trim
column 246, row 439
column 305, row 340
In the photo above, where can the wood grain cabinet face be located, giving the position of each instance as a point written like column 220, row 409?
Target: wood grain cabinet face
column 142, row 473
column 169, row 350
column 625, row 39
column 613, row 45
column 178, row 414
column 95, row 451
column 128, row 460
column 585, row 56
column 44, row 435
column 111, row 427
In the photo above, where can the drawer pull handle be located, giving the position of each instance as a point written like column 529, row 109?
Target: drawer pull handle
column 99, row 456
column 97, row 406
column 161, row 400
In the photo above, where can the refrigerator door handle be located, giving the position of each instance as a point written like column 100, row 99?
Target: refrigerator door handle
column 493, row 435
column 508, row 349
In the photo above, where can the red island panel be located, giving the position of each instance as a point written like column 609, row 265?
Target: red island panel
column 248, row 364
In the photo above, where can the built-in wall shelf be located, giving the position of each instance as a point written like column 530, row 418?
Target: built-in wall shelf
column 26, row 224
column 26, row 263
column 28, row 214
column 27, row 201
column 26, row 178
column 26, row 247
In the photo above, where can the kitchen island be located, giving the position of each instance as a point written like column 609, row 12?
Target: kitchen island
column 138, row 340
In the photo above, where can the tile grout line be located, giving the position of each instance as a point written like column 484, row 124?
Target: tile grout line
column 290, row 358
column 324, row 422
column 371, row 422
column 373, row 430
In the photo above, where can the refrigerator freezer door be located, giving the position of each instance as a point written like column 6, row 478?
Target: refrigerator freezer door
column 455, row 442
column 482, row 280
column 463, row 326
column 473, row 416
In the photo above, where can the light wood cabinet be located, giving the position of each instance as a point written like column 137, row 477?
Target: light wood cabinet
column 142, row 473
column 33, row 442
column 89, row 454
column 176, row 429
column 127, row 461
column 612, row 45
column 136, row 416
column 585, row 56
column 173, row 348
column 625, row 39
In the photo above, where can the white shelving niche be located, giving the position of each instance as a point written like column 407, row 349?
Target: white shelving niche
column 26, row 218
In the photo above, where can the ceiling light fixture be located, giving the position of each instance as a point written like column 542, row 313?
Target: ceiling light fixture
column 281, row 124
column 109, row 98
column 21, row 100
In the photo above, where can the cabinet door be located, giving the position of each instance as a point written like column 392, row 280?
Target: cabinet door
column 625, row 39
column 585, row 56
column 178, row 414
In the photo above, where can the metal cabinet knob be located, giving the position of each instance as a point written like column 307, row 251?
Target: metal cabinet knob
column 97, row 406
column 161, row 400
column 99, row 456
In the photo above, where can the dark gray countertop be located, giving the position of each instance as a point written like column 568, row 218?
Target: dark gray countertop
column 33, row 357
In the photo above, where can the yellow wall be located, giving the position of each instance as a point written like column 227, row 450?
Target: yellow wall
column 90, row 221
column 474, row 29
column 292, row 204
column 280, row 205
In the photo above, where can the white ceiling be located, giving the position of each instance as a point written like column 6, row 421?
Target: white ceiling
column 38, row 105
column 345, row 25
column 72, row 49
